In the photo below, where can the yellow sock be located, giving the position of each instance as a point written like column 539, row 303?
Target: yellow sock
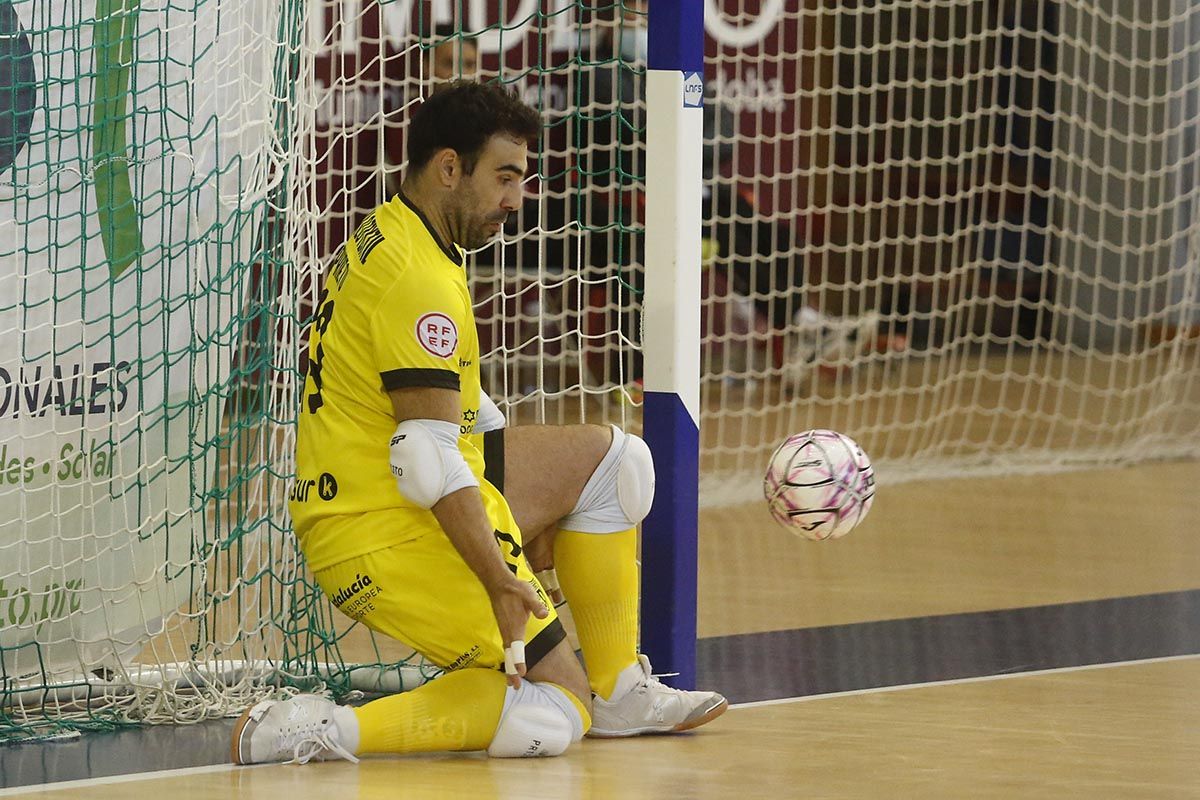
column 599, row 577
column 458, row 711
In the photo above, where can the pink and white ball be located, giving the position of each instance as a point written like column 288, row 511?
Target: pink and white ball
column 819, row 484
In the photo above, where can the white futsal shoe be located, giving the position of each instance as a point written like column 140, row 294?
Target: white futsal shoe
column 300, row 729
column 641, row 703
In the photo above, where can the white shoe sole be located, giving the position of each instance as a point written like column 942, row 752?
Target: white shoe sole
column 235, row 745
column 708, row 716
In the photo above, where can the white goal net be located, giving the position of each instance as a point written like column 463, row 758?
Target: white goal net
column 968, row 231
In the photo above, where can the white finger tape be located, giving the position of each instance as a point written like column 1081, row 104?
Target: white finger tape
column 549, row 579
column 514, row 654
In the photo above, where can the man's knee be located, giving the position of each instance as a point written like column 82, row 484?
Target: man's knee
column 539, row 719
column 551, row 709
column 620, row 491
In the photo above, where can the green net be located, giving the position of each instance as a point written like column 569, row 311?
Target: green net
column 147, row 366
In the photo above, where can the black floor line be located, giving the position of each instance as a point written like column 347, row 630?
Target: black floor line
column 755, row 666
column 840, row 658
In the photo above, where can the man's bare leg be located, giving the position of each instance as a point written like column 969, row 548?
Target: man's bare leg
column 547, row 470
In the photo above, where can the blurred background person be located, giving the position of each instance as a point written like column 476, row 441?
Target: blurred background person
column 750, row 261
column 446, row 53
column 454, row 54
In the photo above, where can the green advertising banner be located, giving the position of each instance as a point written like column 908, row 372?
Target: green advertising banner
column 132, row 186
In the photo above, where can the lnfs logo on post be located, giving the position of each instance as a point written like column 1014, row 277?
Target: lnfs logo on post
column 693, row 90
column 437, row 333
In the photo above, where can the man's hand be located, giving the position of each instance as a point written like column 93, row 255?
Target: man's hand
column 513, row 601
column 462, row 516
column 540, row 553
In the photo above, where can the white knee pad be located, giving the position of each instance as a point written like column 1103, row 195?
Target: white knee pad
column 620, row 491
column 538, row 720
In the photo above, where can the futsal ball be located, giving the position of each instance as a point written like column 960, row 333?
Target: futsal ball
column 819, row 484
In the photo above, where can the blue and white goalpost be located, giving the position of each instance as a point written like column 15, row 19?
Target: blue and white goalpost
column 671, row 332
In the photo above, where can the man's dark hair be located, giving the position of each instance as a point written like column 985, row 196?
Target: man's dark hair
column 463, row 116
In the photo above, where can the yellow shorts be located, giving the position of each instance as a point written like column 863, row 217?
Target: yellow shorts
column 423, row 594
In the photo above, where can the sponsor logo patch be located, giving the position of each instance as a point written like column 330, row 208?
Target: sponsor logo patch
column 437, row 333
column 356, row 599
column 326, row 486
column 464, row 660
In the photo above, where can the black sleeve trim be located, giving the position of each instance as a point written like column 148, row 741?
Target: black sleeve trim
column 493, row 458
column 420, row 379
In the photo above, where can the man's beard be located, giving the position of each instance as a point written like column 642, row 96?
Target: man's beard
column 481, row 233
column 474, row 231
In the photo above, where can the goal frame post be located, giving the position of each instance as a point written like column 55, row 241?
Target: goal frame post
column 671, row 333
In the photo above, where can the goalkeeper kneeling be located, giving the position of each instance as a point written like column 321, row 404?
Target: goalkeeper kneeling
column 419, row 513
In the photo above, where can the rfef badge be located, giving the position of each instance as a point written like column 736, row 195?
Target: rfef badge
column 693, row 90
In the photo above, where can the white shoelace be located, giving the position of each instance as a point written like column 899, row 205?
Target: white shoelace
column 655, row 679
column 308, row 744
column 653, row 683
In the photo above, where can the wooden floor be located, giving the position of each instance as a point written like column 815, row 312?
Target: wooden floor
column 1117, row 731
column 1128, row 732
column 943, row 547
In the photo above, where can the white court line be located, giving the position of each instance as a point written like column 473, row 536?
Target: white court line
column 128, row 778
column 953, row 681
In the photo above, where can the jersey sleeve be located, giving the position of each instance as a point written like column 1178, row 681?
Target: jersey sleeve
column 415, row 331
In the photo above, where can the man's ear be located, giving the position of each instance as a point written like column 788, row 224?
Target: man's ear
column 448, row 167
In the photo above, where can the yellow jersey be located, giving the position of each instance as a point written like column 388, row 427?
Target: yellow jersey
column 394, row 312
